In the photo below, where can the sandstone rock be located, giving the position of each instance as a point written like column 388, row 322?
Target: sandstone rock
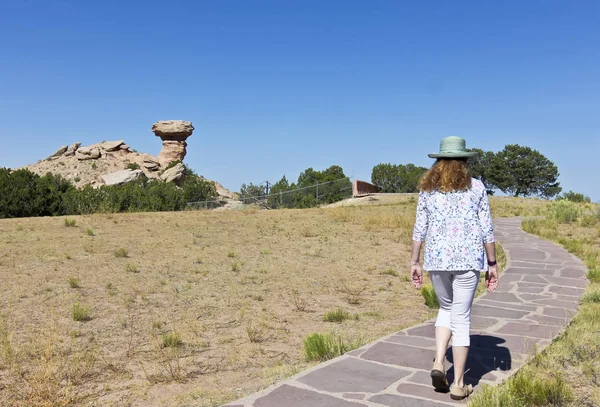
column 59, row 152
column 88, row 154
column 124, row 147
column 112, row 145
column 121, row 177
column 173, row 174
column 173, row 129
column 173, row 134
column 172, row 151
column 151, row 166
column 72, row 149
column 85, row 150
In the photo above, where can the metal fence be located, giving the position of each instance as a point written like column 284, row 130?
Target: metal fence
column 304, row 197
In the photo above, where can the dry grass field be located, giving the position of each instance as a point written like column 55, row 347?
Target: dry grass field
column 196, row 308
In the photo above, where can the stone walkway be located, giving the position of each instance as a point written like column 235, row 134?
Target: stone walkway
column 537, row 296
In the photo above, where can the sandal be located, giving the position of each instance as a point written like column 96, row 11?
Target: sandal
column 438, row 377
column 459, row 393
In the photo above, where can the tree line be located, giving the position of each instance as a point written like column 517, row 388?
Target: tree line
column 311, row 189
column 24, row 194
column 516, row 170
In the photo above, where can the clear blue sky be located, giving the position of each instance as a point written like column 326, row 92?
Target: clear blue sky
column 274, row 87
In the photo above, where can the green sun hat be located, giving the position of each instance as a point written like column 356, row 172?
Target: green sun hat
column 453, row 147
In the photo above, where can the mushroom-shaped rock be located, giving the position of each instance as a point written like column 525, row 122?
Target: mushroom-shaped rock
column 121, row 177
column 173, row 134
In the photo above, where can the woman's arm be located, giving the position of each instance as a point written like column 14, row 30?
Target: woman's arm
column 487, row 228
column 419, row 233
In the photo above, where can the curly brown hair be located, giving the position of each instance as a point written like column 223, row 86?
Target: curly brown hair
column 447, row 175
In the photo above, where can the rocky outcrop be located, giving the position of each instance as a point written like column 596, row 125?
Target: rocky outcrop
column 112, row 145
column 73, row 149
column 114, row 162
column 58, row 153
column 173, row 174
column 88, row 153
column 150, row 162
column 121, row 177
column 173, row 134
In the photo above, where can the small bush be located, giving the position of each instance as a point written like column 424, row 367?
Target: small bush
column 564, row 211
column 133, row 166
column 524, row 390
column 171, row 340
column 70, row 222
column 574, row 197
column 231, row 254
column 74, row 282
column 431, row 299
column 592, row 296
column 594, row 275
column 320, row 347
column 94, row 166
column 121, row 252
column 339, row 315
column 81, row 313
column 132, row 268
column 90, row 232
column 235, row 267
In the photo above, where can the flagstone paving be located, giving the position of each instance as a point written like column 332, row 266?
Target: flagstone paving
column 537, row 296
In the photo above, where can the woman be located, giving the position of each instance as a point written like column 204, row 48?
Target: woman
column 454, row 220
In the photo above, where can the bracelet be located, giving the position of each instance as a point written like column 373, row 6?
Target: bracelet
column 492, row 263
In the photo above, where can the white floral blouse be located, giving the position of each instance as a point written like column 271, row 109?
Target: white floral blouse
column 455, row 226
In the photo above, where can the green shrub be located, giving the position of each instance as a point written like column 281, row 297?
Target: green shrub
column 594, row 275
column 321, row 347
column 564, row 211
column 132, row 166
column 90, row 232
column 80, row 313
column 574, row 197
column 24, row 194
column 70, row 222
column 132, row 268
column 431, row 299
column 171, row 340
column 524, row 390
column 591, row 296
column 74, row 282
column 339, row 315
column 121, row 252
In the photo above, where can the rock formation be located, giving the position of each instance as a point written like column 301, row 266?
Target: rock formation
column 59, row 152
column 121, row 177
column 173, row 174
column 73, row 149
column 173, row 134
column 113, row 162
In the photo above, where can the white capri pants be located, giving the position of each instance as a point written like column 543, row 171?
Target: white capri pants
column 455, row 291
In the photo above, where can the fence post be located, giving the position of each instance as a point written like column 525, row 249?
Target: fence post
column 280, row 198
column 317, row 191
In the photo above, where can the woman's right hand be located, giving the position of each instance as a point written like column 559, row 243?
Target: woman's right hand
column 415, row 275
column 491, row 278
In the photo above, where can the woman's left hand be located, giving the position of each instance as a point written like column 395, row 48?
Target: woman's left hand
column 416, row 275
